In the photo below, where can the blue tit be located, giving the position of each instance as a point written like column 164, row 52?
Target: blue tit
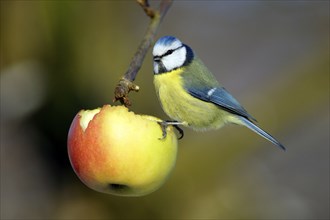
column 190, row 94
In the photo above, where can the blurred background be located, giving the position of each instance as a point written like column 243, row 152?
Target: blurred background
column 58, row 57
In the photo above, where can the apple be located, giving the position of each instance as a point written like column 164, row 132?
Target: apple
column 115, row 151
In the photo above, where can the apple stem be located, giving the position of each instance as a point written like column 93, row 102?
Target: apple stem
column 125, row 84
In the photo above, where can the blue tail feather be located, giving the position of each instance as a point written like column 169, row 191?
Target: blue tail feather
column 261, row 132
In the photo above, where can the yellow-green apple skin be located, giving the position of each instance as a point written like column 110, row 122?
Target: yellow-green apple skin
column 113, row 150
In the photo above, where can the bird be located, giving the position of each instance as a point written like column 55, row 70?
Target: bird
column 191, row 95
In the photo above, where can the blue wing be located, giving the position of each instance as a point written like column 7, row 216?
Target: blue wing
column 222, row 98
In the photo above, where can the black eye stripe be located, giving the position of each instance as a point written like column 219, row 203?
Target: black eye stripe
column 167, row 53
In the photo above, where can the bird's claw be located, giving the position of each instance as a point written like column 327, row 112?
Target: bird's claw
column 165, row 124
column 180, row 131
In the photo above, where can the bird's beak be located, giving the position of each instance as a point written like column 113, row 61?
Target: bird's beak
column 157, row 59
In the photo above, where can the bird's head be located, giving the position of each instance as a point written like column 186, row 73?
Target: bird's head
column 170, row 53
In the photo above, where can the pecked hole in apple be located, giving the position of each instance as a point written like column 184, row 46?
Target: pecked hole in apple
column 87, row 116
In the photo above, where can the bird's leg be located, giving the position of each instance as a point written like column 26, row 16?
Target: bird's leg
column 179, row 130
column 164, row 124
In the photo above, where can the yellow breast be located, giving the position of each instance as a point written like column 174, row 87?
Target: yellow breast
column 181, row 106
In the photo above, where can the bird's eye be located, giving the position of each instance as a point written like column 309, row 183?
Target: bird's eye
column 168, row 52
column 171, row 51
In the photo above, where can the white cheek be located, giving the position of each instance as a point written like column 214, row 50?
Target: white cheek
column 174, row 60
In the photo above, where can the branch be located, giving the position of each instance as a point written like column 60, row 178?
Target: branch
column 125, row 84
